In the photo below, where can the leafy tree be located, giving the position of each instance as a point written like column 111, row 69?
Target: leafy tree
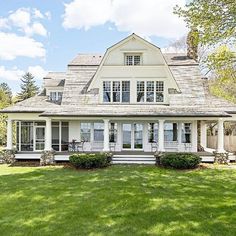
column 4, row 102
column 28, row 87
column 5, row 88
column 214, row 19
column 224, row 74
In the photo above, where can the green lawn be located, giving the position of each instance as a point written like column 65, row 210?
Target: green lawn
column 119, row 200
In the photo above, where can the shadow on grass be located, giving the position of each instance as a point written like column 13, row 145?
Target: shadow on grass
column 119, row 200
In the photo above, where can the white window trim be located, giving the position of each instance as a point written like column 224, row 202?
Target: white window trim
column 145, row 92
column 133, row 55
column 56, row 96
column 120, row 102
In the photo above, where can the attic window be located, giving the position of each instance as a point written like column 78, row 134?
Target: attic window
column 132, row 59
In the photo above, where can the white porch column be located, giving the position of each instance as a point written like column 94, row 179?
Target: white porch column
column 161, row 147
column 106, row 136
column 194, row 136
column 48, row 135
column 9, row 133
column 179, row 135
column 220, row 136
column 203, row 136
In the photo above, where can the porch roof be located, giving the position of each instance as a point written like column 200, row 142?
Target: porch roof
column 135, row 111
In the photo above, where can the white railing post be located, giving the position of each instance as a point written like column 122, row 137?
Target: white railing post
column 220, row 136
column 48, row 135
column 106, row 136
column 161, row 147
column 9, row 134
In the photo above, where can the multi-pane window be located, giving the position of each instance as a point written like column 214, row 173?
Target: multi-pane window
column 85, row 130
column 150, row 91
column 153, row 132
column 116, row 91
column 98, row 132
column 55, row 96
column 106, row 91
column 159, row 91
column 120, row 91
column 140, row 91
column 125, row 91
column 133, row 60
column 186, row 133
column 112, row 132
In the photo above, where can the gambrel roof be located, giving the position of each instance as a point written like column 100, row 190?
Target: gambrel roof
column 192, row 100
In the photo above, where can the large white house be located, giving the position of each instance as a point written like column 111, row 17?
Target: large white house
column 132, row 98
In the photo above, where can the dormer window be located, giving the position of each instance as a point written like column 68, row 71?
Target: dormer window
column 55, row 96
column 132, row 59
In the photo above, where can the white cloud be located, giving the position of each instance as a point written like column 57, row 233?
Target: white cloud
column 36, row 28
column 4, row 23
column 20, row 18
column 23, row 19
column 37, row 13
column 48, row 15
column 37, row 71
column 13, row 74
column 147, row 18
column 12, row 46
column 85, row 14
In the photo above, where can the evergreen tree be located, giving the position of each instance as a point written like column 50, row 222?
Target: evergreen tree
column 28, row 87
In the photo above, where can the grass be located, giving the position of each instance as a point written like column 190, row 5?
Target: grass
column 119, row 200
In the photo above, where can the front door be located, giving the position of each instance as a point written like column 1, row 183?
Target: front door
column 39, row 138
column 132, row 136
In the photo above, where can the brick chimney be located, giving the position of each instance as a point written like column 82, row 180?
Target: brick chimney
column 192, row 44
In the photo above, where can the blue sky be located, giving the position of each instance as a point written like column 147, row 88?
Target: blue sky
column 42, row 35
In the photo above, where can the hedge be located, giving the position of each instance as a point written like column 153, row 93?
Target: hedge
column 180, row 160
column 90, row 160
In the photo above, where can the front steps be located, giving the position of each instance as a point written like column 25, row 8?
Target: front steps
column 134, row 159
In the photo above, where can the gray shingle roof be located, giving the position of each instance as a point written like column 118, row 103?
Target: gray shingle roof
column 95, row 59
column 86, row 59
column 54, row 79
column 194, row 99
column 37, row 103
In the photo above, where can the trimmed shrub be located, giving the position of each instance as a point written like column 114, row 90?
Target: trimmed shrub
column 180, row 160
column 90, row 160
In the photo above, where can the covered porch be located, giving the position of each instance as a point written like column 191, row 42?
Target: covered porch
column 111, row 134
